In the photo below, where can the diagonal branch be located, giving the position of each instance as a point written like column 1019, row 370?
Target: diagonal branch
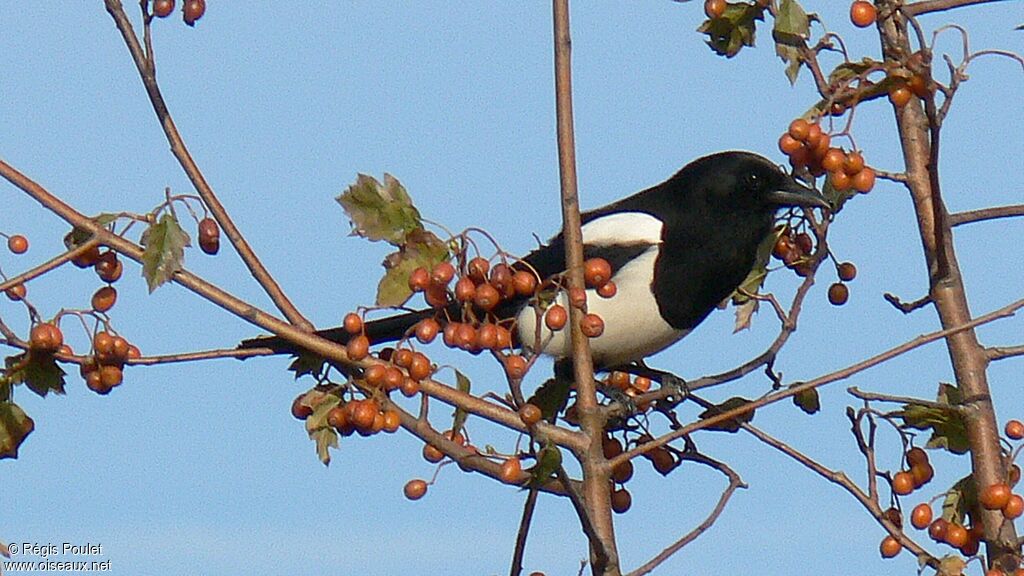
column 926, row 6
column 986, row 214
column 147, row 71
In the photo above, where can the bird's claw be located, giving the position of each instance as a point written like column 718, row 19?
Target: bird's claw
column 678, row 389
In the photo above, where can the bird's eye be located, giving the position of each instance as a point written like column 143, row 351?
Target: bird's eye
column 752, row 181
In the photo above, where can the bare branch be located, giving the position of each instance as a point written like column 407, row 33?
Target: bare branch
column 45, row 267
column 1003, row 352
column 983, row 214
column 734, row 482
column 926, row 6
column 524, row 530
column 844, row 482
column 147, row 72
column 907, row 307
column 877, row 396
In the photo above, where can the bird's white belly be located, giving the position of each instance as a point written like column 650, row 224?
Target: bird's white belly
column 633, row 327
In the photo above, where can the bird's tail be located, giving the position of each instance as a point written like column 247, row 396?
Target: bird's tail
column 377, row 331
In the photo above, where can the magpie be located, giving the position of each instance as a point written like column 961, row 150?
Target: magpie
column 676, row 250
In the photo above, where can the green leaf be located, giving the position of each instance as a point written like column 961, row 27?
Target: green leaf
column 79, row 236
column 380, row 211
column 39, row 372
column 460, row 415
column 316, row 425
column 306, row 363
column 731, row 425
column 791, row 30
column 551, row 397
column 164, row 253
column 15, row 426
column 728, row 34
column 420, row 248
column 808, row 401
column 847, row 71
column 959, row 500
column 549, row 458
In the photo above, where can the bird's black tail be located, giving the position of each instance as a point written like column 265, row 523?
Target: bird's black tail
column 377, row 331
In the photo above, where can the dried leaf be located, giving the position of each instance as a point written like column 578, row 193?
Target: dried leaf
column 836, row 198
column 15, row 426
column 791, row 30
column 164, row 254
column 744, row 314
column 306, row 363
column 380, row 212
column 808, row 401
column 316, row 425
column 949, row 431
column 460, row 414
column 733, row 424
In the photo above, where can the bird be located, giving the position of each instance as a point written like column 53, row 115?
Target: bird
column 676, row 251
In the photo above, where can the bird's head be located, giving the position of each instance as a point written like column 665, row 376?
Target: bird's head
column 747, row 182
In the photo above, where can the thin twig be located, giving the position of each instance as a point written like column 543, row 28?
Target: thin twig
column 50, row 264
column 907, row 307
column 926, row 6
column 879, row 397
column 734, row 482
column 524, row 530
column 1003, row 352
column 843, row 481
column 147, row 72
column 983, row 214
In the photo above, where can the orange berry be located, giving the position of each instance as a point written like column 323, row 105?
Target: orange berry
column 956, row 535
column 111, row 376
column 608, row 290
column 16, row 292
column 524, row 283
column 714, row 8
column 789, row 145
column 393, row 378
column 193, row 11
column 922, row 474
column 838, row 294
column 358, row 347
column 392, row 421
column 410, row 388
column 104, row 299
column 902, row 483
column 477, row 269
column 854, row 163
column 487, row 297
column 597, row 272
column 1014, row 429
column 338, row 417
column 890, row 547
column 420, row 367
column 419, row 280
column 427, row 329
column 1014, row 507
column 900, row 95
column 577, row 298
column 530, row 414
column 374, row 375
column 619, row 380
column 209, row 236
column 833, row 160
column 995, row 497
column 515, row 366
column 17, row 244
column 556, row 317
column 611, row 447
column 592, row 326
column 642, row 383
column 799, row 129
column 847, row 271
column 937, row 530
column 511, row 471
column 163, row 8
column 623, row 472
column 415, row 489
column 840, row 180
column 442, row 274
column 863, row 13
column 465, row 290
column 921, row 516
column 352, row 323
column 487, row 337
column 864, row 180
column 46, row 337
column 919, row 86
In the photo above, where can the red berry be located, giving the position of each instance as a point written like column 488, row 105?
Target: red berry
column 427, row 329
column 515, row 366
column 900, row 95
column 465, row 290
column 530, row 414
column 995, row 497
column 104, row 299
column 556, row 317
column 511, row 471
column 209, row 236
column 847, row 272
column 1014, row 507
column 163, row 8
column 608, row 290
column 597, row 272
column 442, row 274
column 903, row 483
column 714, row 8
column 487, row 297
column 921, row 516
column 524, row 283
column 838, row 294
column 478, row 268
column 16, row 292
column 194, row 10
column 621, row 501
column 419, row 280
column 1014, row 430
column 592, row 326
column 937, row 530
column 956, row 535
column 358, row 347
column 864, row 180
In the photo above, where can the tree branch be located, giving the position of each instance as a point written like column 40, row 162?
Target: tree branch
column 986, row 214
column 1003, row 352
column 926, row 6
column 147, row 71
column 524, row 530
column 596, row 495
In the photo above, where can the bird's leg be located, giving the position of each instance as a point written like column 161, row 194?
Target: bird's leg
column 563, row 369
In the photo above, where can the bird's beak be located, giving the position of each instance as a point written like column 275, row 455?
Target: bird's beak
column 793, row 193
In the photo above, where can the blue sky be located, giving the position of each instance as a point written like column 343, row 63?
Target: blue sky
column 201, row 469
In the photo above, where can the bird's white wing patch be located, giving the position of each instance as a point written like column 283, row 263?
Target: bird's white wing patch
column 622, row 228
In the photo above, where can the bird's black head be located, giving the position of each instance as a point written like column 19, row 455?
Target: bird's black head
column 743, row 182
